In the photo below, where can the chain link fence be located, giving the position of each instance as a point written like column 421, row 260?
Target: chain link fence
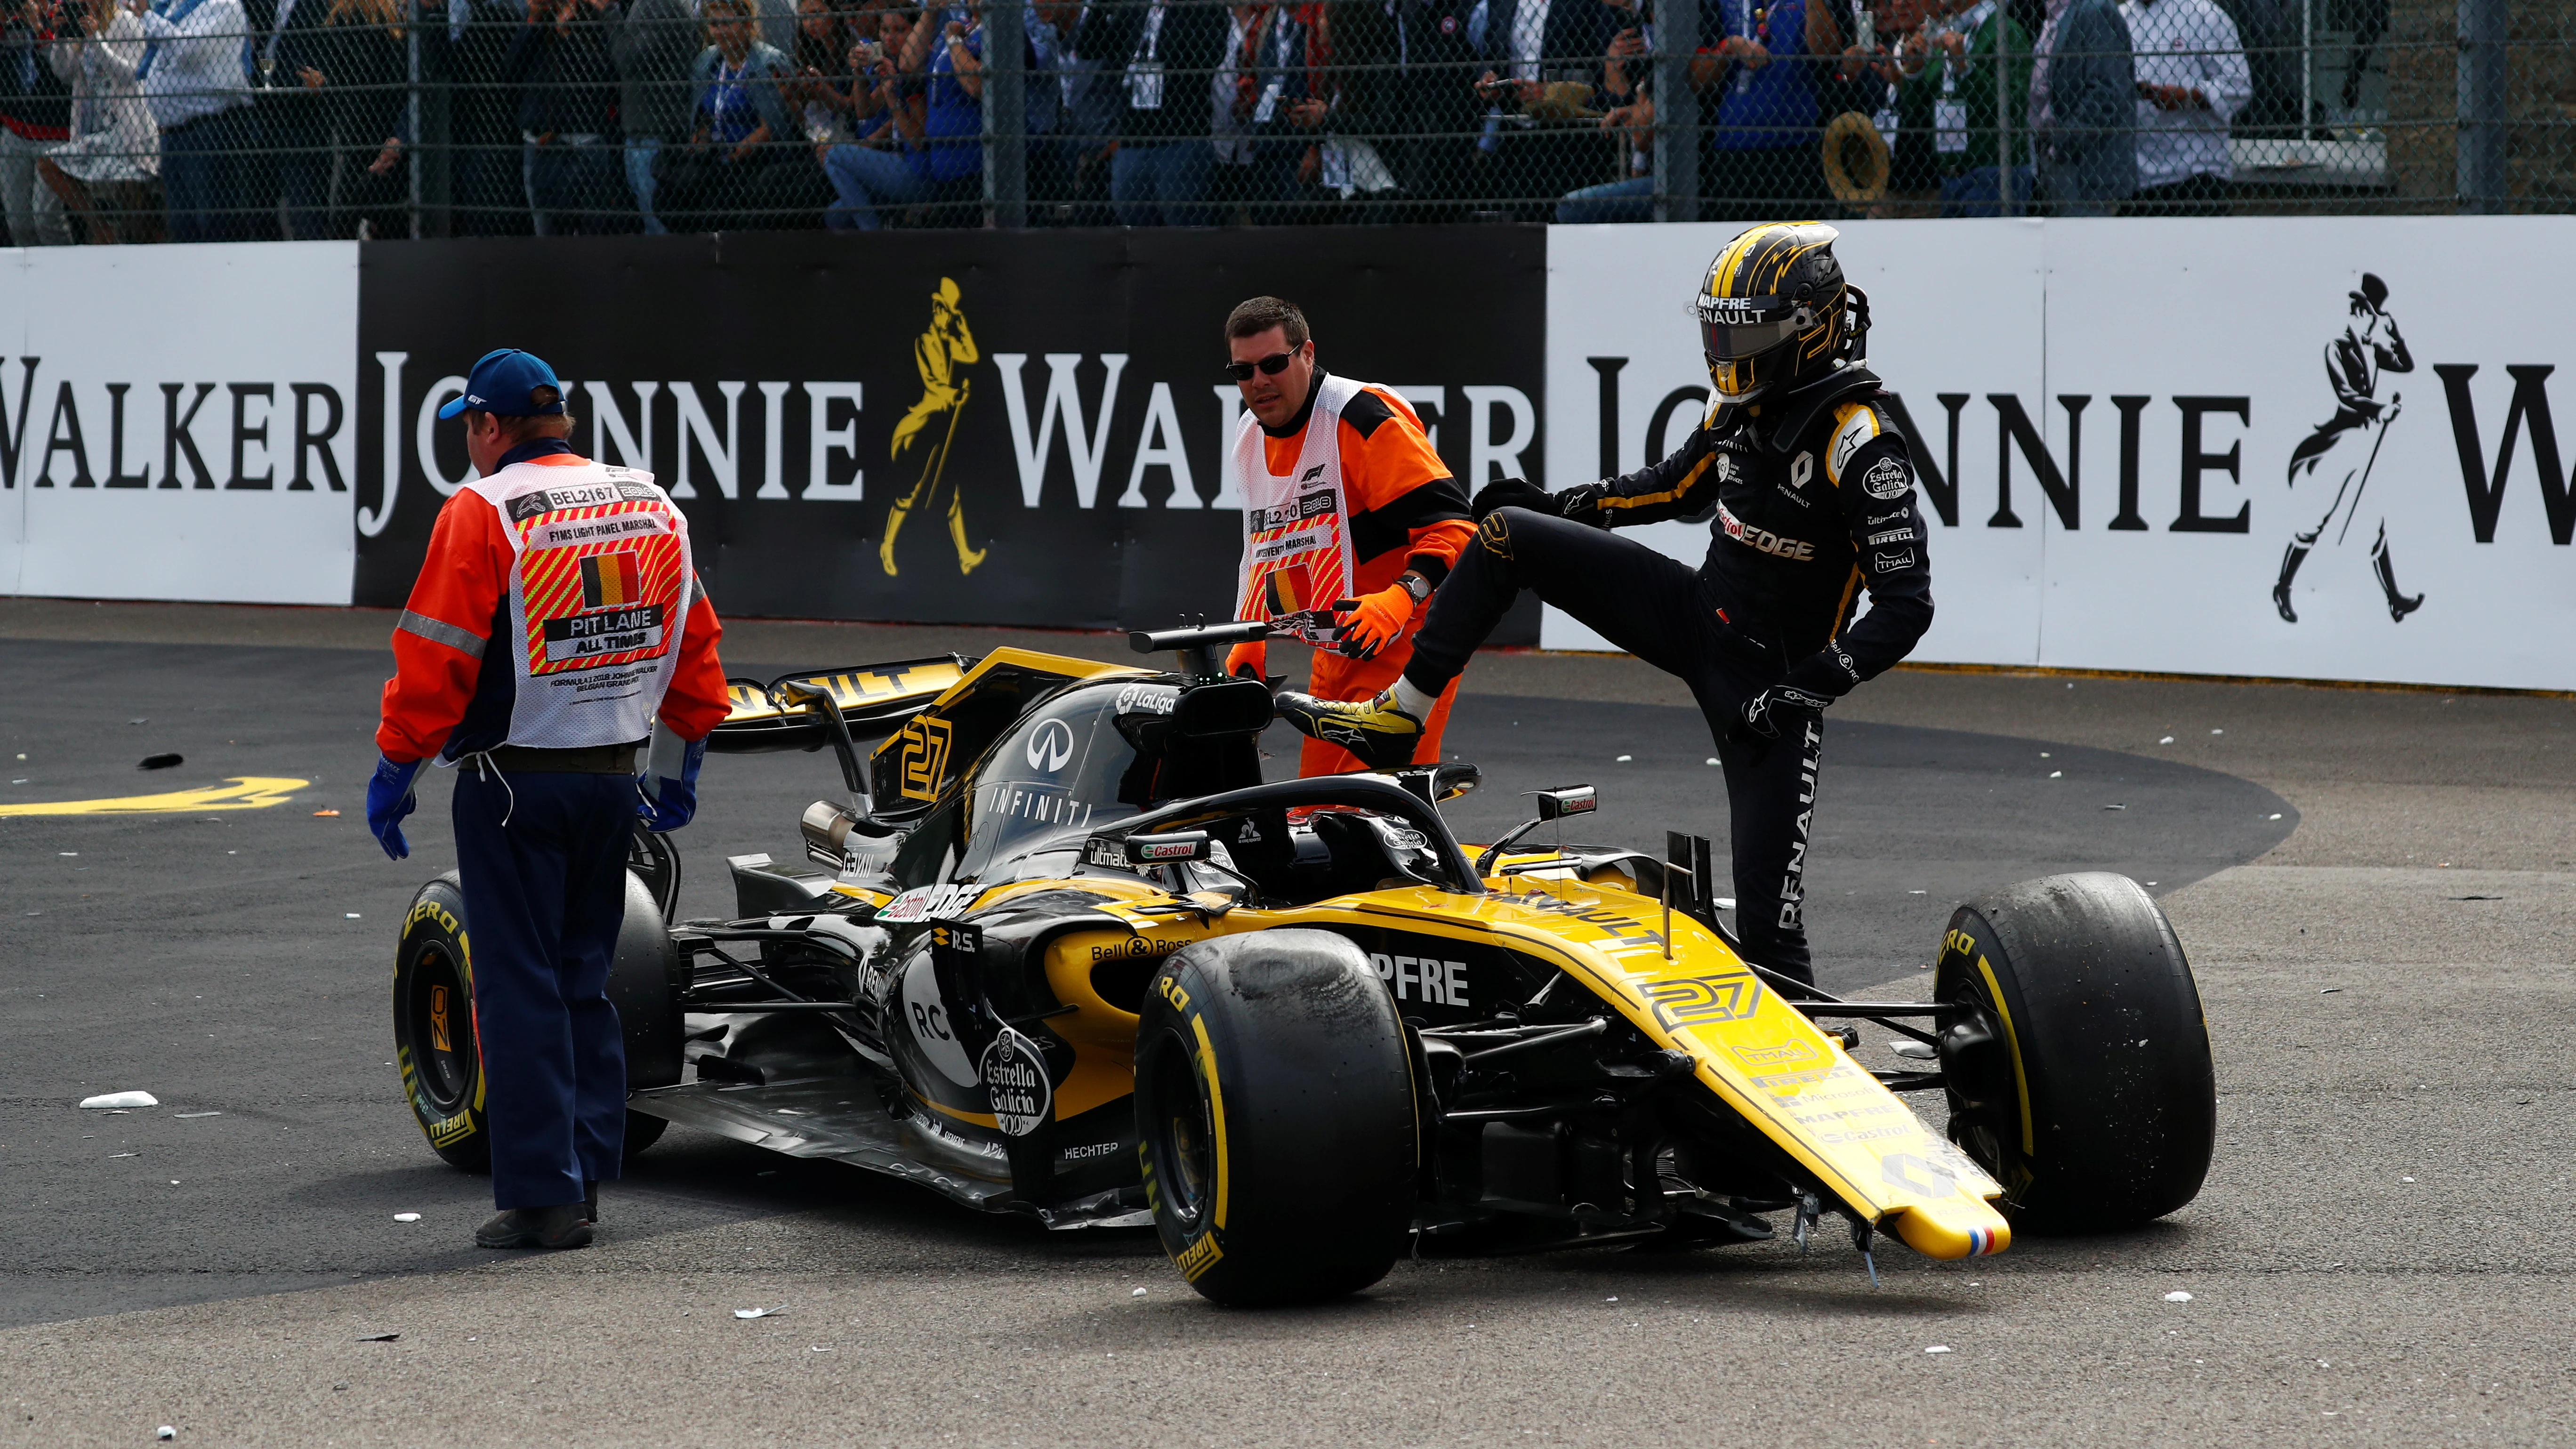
column 257, row 119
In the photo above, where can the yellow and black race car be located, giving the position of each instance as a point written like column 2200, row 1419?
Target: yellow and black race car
column 1062, row 952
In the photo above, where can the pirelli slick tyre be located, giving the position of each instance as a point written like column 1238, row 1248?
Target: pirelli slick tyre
column 435, row 1043
column 2080, row 1075
column 1275, row 1104
column 438, row 1049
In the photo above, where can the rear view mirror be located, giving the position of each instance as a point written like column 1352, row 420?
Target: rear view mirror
column 1553, row 804
column 1568, row 800
column 1215, row 710
column 1146, row 850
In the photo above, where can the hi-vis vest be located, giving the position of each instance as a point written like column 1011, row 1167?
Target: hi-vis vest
column 1296, row 526
column 596, row 600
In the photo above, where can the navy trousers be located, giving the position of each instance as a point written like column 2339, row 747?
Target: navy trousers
column 544, row 895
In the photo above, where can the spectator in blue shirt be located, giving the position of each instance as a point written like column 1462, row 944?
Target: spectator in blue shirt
column 933, row 156
column 744, row 164
column 1762, row 152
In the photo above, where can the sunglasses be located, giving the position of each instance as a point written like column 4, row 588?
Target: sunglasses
column 1271, row 366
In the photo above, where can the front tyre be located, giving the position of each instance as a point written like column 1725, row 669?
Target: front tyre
column 1275, row 1103
column 2080, row 1076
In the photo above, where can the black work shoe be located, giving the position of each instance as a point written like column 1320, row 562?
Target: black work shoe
column 560, row 1226
column 1382, row 735
column 590, row 1201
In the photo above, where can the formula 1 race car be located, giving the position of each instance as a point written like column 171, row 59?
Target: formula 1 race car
column 1062, row 952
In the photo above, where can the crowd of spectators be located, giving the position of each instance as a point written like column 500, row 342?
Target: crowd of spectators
column 130, row 120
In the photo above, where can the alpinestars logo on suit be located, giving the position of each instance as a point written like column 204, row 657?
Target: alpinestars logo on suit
column 2369, row 349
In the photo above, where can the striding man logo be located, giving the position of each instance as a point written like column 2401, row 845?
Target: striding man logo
column 941, row 354
column 2369, row 350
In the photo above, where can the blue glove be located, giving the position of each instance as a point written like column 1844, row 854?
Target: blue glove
column 667, row 791
column 389, row 799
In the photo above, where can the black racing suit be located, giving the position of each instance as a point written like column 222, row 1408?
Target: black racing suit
column 1811, row 499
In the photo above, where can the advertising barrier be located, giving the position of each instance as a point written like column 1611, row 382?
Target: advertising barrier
column 976, row 427
column 177, row 422
column 2289, row 447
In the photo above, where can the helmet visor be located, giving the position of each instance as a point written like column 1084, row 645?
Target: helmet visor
column 1730, row 329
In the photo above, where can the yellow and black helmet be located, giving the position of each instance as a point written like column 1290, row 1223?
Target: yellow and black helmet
column 1775, row 312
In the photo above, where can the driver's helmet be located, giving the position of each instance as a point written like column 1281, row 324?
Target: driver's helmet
column 1773, row 310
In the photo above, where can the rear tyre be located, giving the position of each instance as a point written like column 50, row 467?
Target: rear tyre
column 1275, row 1103
column 435, row 1044
column 2080, row 1076
column 439, row 1051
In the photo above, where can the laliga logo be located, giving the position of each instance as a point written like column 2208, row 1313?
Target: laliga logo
column 1051, row 746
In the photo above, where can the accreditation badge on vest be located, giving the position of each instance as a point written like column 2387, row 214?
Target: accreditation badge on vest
column 1296, row 526
column 597, row 601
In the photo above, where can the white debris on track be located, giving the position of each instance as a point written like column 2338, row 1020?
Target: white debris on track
column 112, row 1101
column 760, row 1312
column 2177, row 1296
column 1938, row 1348
column 406, row 1217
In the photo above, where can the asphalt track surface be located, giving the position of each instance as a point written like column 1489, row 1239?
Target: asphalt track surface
column 2376, row 1258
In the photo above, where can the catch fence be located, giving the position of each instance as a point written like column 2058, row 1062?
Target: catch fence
column 226, row 120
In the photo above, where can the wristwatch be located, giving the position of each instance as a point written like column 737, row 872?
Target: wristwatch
column 1415, row 584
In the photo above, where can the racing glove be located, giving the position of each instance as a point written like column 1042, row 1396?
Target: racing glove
column 1368, row 625
column 1248, row 659
column 1757, row 727
column 1512, row 493
column 667, row 791
column 1580, row 505
column 389, row 799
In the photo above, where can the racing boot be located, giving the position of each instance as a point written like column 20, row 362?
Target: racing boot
column 2399, row 605
column 559, row 1226
column 2290, row 561
column 1377, row 730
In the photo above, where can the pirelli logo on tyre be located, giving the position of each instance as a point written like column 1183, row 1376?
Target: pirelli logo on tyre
column 1727, row 996
column 449, row 1130
column 1198, row 1257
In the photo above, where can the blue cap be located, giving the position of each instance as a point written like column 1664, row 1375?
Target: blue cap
column 505, row 382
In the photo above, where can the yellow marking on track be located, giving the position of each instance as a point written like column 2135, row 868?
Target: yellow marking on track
column 243, row 792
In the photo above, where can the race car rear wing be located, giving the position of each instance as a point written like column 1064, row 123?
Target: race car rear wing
column 781, row 714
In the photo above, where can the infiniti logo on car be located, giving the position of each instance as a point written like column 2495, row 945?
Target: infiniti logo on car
column 1051, row 746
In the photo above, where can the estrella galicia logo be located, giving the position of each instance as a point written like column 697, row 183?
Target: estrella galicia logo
column 1014, row 1074
column 2369, row 350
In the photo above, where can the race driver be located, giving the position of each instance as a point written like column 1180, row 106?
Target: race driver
column 1349, row 518
column 556, row 623
column 1810, row 493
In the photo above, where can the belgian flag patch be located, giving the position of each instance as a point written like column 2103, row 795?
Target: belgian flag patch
column 611, row 580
